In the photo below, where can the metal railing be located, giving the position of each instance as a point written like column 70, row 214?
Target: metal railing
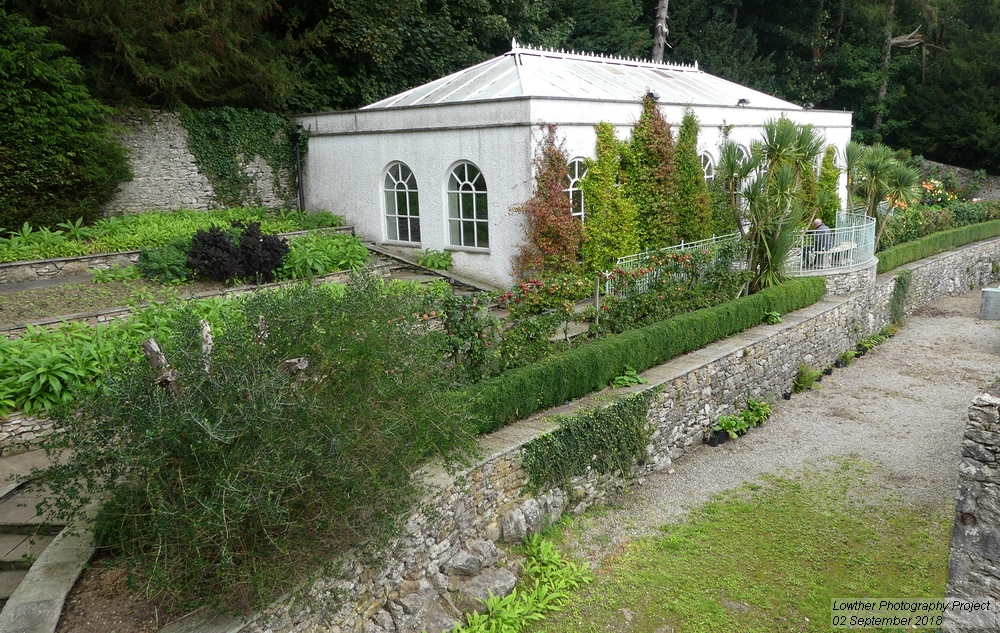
column 624, row 281
column 851, row 244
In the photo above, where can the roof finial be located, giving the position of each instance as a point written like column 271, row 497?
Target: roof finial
column 513, row 43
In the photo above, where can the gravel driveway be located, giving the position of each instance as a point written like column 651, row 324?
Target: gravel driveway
column 902, row 407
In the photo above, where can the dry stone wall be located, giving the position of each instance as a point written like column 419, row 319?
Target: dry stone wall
column 974, row 565
column 420, row 584
column 166, row 175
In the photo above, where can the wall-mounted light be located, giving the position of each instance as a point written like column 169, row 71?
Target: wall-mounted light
column 808, row 106
column 652, row 94
column 743, row 102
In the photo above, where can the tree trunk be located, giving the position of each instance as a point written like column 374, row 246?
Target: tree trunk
column 818, row 35
column 886, row 58
column 660, row 31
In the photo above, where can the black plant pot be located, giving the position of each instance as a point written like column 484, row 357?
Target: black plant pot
column 828, row 371
column 717, row 438
column 787, row 395
column 840, row 363
column 819, row 378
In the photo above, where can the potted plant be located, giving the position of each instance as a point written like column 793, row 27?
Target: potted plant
column 729, row 425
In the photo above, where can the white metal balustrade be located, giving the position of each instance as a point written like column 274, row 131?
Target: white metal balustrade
column 849, row 245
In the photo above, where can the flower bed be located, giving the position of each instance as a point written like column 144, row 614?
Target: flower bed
column 148, row 230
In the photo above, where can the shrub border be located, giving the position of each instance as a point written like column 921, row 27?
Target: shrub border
column 574, row 373
column 935, row 243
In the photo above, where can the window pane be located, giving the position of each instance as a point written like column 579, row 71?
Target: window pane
column 404, row 233
column 390, row 228
column 467, row 205
column 400, row 203
column 389, row 184
column 390, row 203
column 453, row 205
column 452, row 183
column 484, row 234
column 469, row 233
column 456, row 232
column 480, row 206
column 414, row 229
column 414, row 204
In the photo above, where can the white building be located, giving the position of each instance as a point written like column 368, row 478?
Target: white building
column 442, row 165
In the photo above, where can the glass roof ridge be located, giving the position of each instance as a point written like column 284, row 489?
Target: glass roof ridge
column 526, row 49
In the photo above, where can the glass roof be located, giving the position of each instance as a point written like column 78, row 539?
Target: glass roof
column 526, row 71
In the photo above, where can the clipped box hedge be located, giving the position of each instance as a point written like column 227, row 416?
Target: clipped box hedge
column 936, row 243
column 576, row 372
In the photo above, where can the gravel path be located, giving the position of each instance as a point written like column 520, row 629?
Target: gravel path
column 902, row 407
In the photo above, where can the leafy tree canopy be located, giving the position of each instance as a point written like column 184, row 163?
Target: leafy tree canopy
column 58, row 159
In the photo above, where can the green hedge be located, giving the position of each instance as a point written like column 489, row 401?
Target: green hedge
column 933, row 244
column 577, row 372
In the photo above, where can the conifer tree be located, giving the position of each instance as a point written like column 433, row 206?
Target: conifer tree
column 611, row 229
column 689, row 199
column 829, row 184
column 553, row 234
column 648, row 165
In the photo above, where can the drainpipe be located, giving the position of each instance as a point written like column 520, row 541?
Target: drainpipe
column 298, row 165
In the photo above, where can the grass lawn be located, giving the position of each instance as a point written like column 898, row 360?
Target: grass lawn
column 765, row 558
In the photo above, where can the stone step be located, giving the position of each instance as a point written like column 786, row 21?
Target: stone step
column 18, row 514
column 576, row 328
column 13, row 547
column 410, row 275
column 9, row 580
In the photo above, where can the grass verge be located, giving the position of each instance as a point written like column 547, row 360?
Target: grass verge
column 768, row 557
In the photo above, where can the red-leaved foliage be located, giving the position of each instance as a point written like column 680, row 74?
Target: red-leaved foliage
column 553, row 235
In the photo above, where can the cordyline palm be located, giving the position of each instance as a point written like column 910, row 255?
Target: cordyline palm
column 883, row 181
column 733, row 169
column 774, row 205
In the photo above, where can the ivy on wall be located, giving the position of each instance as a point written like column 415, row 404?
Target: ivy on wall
column 609, row 440
column 224, row 141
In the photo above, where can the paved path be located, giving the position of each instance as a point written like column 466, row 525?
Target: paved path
column 902, row 407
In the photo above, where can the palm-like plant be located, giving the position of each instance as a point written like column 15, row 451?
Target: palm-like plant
column 775, row 198
column 733, row 169
column 884, row 182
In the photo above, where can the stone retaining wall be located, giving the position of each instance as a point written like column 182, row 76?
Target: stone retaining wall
column 851, row 280
column 61, row 267
column 420, row 585
column 19, row 432
column 974, row 565
column 166, row 176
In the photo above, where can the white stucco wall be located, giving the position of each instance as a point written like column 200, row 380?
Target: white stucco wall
column 349, row 153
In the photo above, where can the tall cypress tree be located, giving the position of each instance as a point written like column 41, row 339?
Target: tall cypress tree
column 689, row 199
column 611, row 230
column 648, row 166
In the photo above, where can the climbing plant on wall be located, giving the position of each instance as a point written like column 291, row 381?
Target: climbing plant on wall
column 553, row 234
column 689, row 196
column 225, row 141
column 648, row 165
column 611, row 230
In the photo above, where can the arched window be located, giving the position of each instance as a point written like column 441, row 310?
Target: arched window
column 467, row 210
column 402, row 207
column 577, row 170
column 708, row 166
